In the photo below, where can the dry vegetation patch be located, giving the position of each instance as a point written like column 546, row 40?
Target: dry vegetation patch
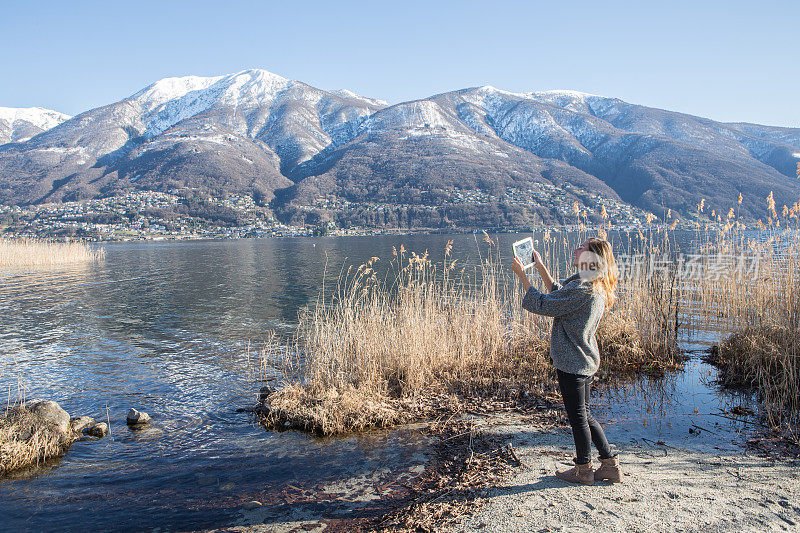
column 34, row 252
column 426, row 338
column 329, row 411
column 758, row 320
column 764, row 357
column 28, row 440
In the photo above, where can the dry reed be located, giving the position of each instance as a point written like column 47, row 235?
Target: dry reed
column 371, row 355
column 34, row 252
column 757, row 319
column 377, row 353
column 765, row 357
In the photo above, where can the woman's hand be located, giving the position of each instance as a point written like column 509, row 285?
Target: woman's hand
column 537, row 259
column 516, row 266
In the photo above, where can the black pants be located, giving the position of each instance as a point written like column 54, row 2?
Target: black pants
column 585, row 429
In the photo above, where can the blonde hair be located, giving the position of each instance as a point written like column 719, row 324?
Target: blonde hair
column 606, row 281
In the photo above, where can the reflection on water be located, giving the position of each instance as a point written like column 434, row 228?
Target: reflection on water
column 681, row 409
column 164, row 327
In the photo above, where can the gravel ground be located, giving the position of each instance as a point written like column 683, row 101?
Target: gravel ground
column 664, row 489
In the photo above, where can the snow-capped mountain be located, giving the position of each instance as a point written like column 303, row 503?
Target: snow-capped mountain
column 282, row 140
column 232, row 132
column 651, row 158
column 18, row 124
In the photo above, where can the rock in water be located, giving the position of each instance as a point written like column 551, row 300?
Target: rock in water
column 80, row 423
column 205, row 480
column 250, row 506
column 264, row 392
column 33, row 432
column 98, row 430
column 146, row 432
column 51, row 412
column 136, row 418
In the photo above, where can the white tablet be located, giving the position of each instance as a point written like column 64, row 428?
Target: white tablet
column 523, row 250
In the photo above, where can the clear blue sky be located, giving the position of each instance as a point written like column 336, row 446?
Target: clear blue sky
column 729, row 60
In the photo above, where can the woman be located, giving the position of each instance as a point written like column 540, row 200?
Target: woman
column 576, row 305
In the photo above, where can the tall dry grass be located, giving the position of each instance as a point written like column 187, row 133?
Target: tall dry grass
column 34, row 252
column 756, row 318
column 640, row 334
column 383, row 345
column 365, row 357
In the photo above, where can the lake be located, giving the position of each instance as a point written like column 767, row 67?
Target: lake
column 172, row 328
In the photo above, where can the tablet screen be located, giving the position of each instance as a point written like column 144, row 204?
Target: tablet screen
column 523, row 250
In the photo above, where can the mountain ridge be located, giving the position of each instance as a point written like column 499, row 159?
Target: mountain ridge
column 290, row 144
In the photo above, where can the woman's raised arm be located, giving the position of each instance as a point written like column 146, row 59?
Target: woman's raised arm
column 543, row 272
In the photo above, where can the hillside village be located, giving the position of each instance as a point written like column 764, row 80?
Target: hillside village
column 185, row 214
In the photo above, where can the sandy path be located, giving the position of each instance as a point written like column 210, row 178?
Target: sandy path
column 665, row 489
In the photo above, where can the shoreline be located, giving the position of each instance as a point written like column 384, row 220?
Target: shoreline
column 308, row 232
column 665, row 488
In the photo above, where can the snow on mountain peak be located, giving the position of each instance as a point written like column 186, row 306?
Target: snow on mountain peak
column 168, row 101
column 486, row 90
column 350, row 94
column 172, row 100
column 571, row 100
column 408, row 115
column 260, row 74
column 556, row 97
column 38, row 116
column 251, row 84
column 168, row 89
column 563, row 93
column 19, row 124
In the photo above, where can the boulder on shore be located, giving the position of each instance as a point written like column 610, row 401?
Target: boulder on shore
column 98, row 430
column 50, row 412
column 80, row 423
column 36, row 430
column 32, row 432
column 136, row 418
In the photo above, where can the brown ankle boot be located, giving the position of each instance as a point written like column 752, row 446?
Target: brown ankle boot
column 578, row 474
column 609, row 470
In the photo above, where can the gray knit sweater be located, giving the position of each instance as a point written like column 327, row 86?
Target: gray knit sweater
column 576, row 312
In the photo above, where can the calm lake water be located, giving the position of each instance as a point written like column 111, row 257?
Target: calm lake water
column 165, row 327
